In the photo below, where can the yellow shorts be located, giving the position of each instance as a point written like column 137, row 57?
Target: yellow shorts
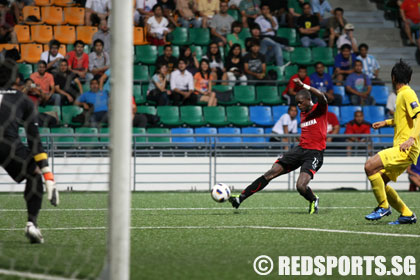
column 396, row 162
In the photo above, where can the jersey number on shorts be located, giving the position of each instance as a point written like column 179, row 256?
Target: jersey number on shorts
column 315, row 163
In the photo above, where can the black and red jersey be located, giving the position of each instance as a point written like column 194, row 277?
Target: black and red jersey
column 314, row 128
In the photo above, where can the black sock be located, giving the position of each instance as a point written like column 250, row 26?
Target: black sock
column 33, row 196
column 307, row 194
column 256, row 186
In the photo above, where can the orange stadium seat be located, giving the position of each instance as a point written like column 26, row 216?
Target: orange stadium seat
column 43, row 2
column 52, row 15
column 74, row 15
column 63, row 3
column 31, row 11
column 23, row 33
column 62, row 50
column 85, row 33
column 139, row 37
column 30, row 53
column 8, row 47
column 42, row 33
column 65, row 34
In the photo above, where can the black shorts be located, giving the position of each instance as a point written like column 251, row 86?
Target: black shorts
column 309, row 160
column 17, row 160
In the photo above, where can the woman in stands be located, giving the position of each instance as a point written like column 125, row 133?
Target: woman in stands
column 235, row 65
column 203, row 84
column 216, row 62
column 157, row 88
column 190, row 59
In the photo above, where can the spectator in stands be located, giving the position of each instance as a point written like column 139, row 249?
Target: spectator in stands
column 414, row 176
column 167, row 58
column 67, row 84
column 207, row 10
column 52, row 57
column 7, row 34
column 267, row 22
column 190, row 59
column 221, row 25
column 295, row 10
column 254, row 62
column 157, row 91
column 203, row 84
column 370, row 65
column 250, row 10
column 343, row 63
column 143, row 11
column 157, row 27
column 410, row 15
column 97, row 101
column 357, row 126
column 335, row 26
column 359, row 86
column 6, row 14
column 187, row 10
column 105, row 81
column 99, row 61
column 103, row 34
column 45, row 82
column 217, row 67
column 78, row 60
column 333, row 126
column 287, row 124
column 233, row 37
column 308, row 26
column 182, row 85
column 323, row 82
column 391, row 104
column 234, row 4
column 347, row 38
column 279, row 10
column 290, row 92
column 97, row 10
column 321, row 8
column 168, row 7
column 32, row 90
column 235, row 65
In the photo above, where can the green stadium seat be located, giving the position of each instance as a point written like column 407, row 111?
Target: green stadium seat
column 146, row 54
column 224, row 89
column 278, row 71
column 151, row 110
column 192, row 115
column 50, row 108
column 200, row 36
column 104, row 130
column 139, row 139
column 63, row 140
column 324, row 55
column 290, row 71
column 25, row 69
column 70, row 47
column 152, row 69
column 69, row 112
column 44, row 130
column 140, row 73
column 215, row 115
column 169, row 115
column 290, row 34
column 139, row 96
column 286, row 56
column 161, row 139
column 175, row 50
column 198, row 51
column 180, row 36
column 87, row 130
column 301, row 56
column 245, row 95
column 238, row 115
column 268, row 95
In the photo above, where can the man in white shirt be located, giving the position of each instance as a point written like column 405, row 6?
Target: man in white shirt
column 52, row 56
column 348, row 38
column 267, row 22
column 97, row 10
column 182, row 85
column 287, row 124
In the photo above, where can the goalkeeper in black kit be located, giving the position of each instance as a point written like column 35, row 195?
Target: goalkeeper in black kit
column 22, row 162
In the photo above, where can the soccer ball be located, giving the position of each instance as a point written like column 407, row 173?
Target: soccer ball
column 220, row 192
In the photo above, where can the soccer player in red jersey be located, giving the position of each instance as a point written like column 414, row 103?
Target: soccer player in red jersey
column 308, row 154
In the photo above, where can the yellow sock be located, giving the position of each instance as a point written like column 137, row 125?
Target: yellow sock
column 378, row 187
column 396, row 202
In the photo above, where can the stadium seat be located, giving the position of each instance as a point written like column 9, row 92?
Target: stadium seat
column 139, row 38
column 380, row 94
column 169, row 115
column 30, row 53
column 146, row 54
column 42, row 33
column 324, row 55
column 342, row 92
column 65, row 34
column 278, row 70
column 386, row 130
column 151, row 110
column 139, row 139
column 192, row 115
column 63, row 140
column 69, row 112
column 186, row 139
column 25, row 70
column 52, row 15
column 86, row 130
column 85, row 33
column 223, row 89
column 335, row 110
column 290, row 34
column 175, row 50
column 180, row 36
column 238, row 115
column 244, row 34
column 104, row 130
column 139, row 95
column 197, row 50
column 34, row 11
column 261, row 115
column 62, row 50
column 43, row 2
column 229, row 139
column 161, row 139
column 253, row 130
column 279, row 111
column 23, row 33
column 199, row 36
column 374, row 113
column 50, row 108
column 74, row 15
column 245, row 95
column 215, row 115
column 347, row 113
column 301, row 56
column 64, row 3
column 290, row 71
column 44, row 130
column 140, row 73
column 268, row 95
column 86, row 49
column 9, row 47
column 204, row 130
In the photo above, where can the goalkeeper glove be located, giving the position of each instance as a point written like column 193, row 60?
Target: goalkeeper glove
column 51, row 187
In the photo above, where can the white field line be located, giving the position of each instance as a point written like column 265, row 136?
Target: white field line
column 233, row 227
column 31, row 275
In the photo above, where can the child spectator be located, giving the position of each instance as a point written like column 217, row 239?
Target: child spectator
column 78, row 60
column 235, row 65
column 221, row 24
column 157, row 91
column 287, row 124
column 343, row 63
column 216, row 62
column 254, row 62
column 359, row 86
column 290, row 92
column 323, row 82
column 203, row 84
column 157, row 27
column 52, row 57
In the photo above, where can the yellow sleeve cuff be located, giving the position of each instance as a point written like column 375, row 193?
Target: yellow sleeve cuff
column 415, row 132
column 41, row 156
column 389, row 122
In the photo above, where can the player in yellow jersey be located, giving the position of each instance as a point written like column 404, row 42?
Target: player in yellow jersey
column 388, row 164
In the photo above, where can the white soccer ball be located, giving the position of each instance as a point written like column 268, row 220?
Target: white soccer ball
column 220, row 192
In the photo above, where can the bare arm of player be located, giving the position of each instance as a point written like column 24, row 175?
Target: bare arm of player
column 415, row 133
column 320, row 95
